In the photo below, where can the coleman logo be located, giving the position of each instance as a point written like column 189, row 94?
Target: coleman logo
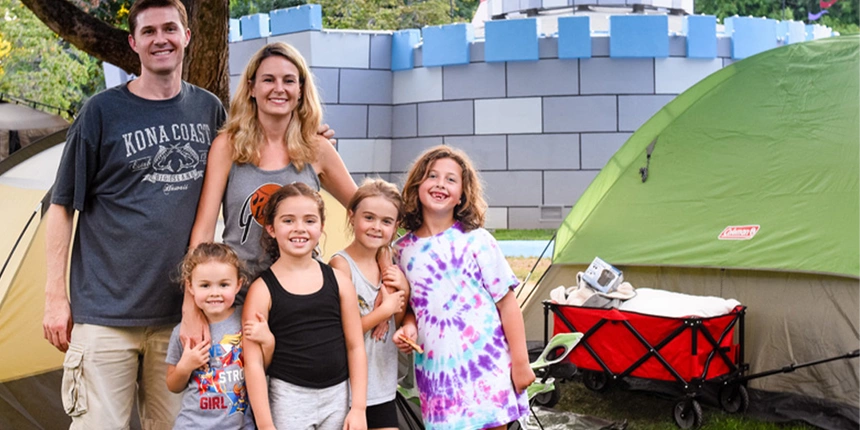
column 739, row 232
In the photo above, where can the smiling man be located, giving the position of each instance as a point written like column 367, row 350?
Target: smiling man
column 133, row 170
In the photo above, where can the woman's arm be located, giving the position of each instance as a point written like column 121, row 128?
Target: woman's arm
column 218, row 164
column 257, row 301
column 194, row 328
column 515, row 332
column 356, row 355
column 333, row 175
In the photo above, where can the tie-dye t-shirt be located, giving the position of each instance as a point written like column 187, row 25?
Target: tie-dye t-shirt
column 464, row 374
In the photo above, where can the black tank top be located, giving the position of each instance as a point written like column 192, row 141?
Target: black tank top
column 310, row 349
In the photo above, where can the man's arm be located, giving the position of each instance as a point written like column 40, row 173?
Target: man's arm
column 57, row 320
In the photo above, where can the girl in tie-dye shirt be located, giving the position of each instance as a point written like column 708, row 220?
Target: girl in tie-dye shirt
column 474, row 369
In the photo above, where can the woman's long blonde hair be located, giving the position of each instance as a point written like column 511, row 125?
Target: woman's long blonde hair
column 243, row 128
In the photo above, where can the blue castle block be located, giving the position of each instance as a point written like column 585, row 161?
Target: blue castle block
column 511, row 40
column 796, row 32
column 402, row 49
column 639, row 36
column 446, row 45
column 574, row 37
column 255, row 26
column 750, row 35
column 235, row 31
column 701, row 31
column 810, row 32
column 296, row 19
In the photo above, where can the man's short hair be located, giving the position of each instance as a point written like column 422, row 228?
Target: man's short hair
column 142, row 5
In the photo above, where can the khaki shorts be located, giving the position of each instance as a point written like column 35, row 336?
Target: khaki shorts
column 107, row 369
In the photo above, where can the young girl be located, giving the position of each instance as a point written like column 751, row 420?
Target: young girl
column 212, row 378
column 373, row 214
column 474, row 368
column 312, row 312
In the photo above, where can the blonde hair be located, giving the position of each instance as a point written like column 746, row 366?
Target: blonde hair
column 210, row 251
column 376, row 188
column 296, row 189
column 470, row 212
column 243, row 128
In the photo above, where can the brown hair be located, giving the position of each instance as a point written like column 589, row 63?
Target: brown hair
column 243, row 127
column 142, row 5
column 470, row 212
column 376, row 188
column 210, row 251
column 296, row 189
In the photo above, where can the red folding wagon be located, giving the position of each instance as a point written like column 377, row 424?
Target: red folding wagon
column 692, row 351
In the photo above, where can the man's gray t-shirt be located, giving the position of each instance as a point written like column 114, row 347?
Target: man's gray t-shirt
column 134, row 168
column 216, row 398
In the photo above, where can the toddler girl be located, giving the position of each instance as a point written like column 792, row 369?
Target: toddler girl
column 211, row 378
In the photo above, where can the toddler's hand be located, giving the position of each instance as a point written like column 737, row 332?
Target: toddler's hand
column 409, row 331
column 522, row 376
column 258, row 331
column 196, row 357
column 355, row 420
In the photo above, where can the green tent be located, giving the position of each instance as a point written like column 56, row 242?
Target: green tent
column 751, row 193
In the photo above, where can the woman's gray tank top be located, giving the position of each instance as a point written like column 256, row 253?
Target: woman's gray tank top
column 248, row 190
column 381, row 354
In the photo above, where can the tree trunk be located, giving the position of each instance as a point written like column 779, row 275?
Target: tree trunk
column 206, row 56
column 206, row 60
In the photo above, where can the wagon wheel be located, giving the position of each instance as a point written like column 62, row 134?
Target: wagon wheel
column 734, row 398
column 549, row 399
column 595, row 381
column 688, row 414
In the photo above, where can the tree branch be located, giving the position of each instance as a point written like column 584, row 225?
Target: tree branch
column 89, row 34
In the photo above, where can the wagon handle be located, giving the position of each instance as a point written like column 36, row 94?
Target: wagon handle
column 792, row 367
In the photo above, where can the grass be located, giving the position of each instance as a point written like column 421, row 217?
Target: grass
column 540, row 234
column 647, row 411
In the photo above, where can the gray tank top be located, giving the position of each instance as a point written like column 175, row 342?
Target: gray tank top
column 381, row 354
column 248, row 190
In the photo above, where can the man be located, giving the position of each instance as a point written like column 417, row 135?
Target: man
column 132, row 168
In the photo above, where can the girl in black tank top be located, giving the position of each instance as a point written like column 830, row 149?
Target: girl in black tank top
column 316, row 341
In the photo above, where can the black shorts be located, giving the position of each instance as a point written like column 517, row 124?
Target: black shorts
column 382, row 416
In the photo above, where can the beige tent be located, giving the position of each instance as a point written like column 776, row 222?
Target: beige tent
column 31, row 371
column 20, row 126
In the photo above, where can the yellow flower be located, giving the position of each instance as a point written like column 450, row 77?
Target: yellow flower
column 122, row 12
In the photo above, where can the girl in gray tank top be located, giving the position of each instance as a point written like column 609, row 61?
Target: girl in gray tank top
column 373, row 214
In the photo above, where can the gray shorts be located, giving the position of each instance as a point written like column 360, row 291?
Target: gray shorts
column 295, row 407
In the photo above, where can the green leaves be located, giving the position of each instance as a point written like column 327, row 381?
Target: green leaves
column 40, row 66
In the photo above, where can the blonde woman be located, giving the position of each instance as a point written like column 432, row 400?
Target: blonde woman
column 269, row 140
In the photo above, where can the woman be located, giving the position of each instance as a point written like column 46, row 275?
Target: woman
column 270, row 140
